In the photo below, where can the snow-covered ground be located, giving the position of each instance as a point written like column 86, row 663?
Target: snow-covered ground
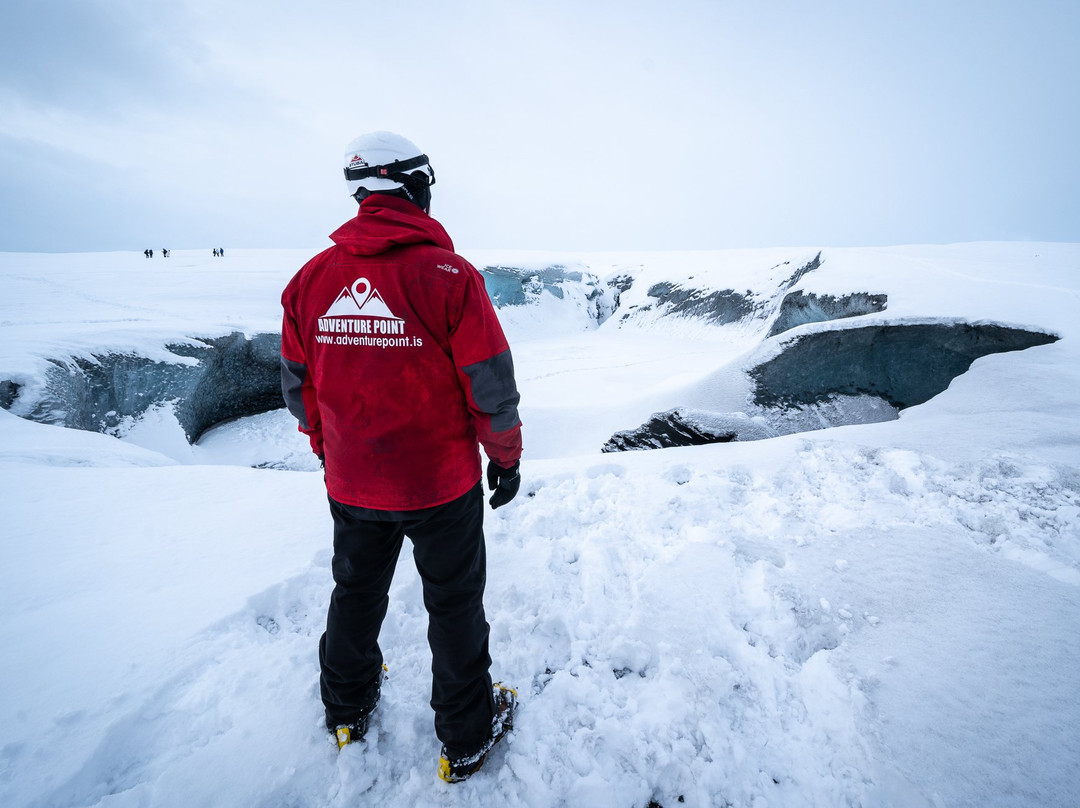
column 879, row 614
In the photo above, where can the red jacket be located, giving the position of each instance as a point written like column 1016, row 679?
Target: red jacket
column 394, row 362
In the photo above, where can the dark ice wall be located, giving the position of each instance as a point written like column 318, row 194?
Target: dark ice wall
column 232, row 376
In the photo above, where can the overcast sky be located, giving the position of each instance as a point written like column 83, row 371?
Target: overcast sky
column 551, row 124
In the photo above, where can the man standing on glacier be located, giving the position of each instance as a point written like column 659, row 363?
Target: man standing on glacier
column 396, row 367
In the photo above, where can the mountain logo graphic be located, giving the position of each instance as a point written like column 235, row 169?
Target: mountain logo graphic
column 360, row 300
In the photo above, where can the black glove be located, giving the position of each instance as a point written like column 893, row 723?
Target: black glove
column 504, row 482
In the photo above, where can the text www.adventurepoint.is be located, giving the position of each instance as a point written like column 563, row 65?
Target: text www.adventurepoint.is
column 369, row 342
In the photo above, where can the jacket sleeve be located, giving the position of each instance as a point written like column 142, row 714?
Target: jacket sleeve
column 296, row 386
column 486, row 373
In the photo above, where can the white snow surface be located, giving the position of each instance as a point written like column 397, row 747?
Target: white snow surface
column 874, row 615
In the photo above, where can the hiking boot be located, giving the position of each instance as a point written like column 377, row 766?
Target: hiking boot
column 356, row 730
column 454, row 771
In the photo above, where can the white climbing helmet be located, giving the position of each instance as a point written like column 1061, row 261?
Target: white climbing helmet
column 384, row 161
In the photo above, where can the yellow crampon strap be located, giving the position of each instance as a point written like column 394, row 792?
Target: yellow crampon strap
column 444, row 770
column 344, row 736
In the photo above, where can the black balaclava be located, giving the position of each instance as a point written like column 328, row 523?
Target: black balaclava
column 414, row 188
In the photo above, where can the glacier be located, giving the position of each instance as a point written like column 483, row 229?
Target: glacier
column 845, row 373
column 850, row 604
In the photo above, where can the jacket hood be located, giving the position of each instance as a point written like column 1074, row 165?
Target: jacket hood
column 385, row 221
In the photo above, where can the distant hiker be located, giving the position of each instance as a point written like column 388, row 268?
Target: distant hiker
column 151, row 253
column 221, row 251
column 215, row 252
column 164, row 253
column 146, row 253
column 395, row 365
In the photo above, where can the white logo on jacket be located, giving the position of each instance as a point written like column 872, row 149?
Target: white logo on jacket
column 360, row 309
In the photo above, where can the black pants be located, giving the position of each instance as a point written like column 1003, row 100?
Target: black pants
column 448, row 547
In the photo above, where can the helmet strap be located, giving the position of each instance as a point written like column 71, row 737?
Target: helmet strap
column 390, row 169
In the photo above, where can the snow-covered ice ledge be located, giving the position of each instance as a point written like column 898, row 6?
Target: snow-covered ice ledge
column 814, row 358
